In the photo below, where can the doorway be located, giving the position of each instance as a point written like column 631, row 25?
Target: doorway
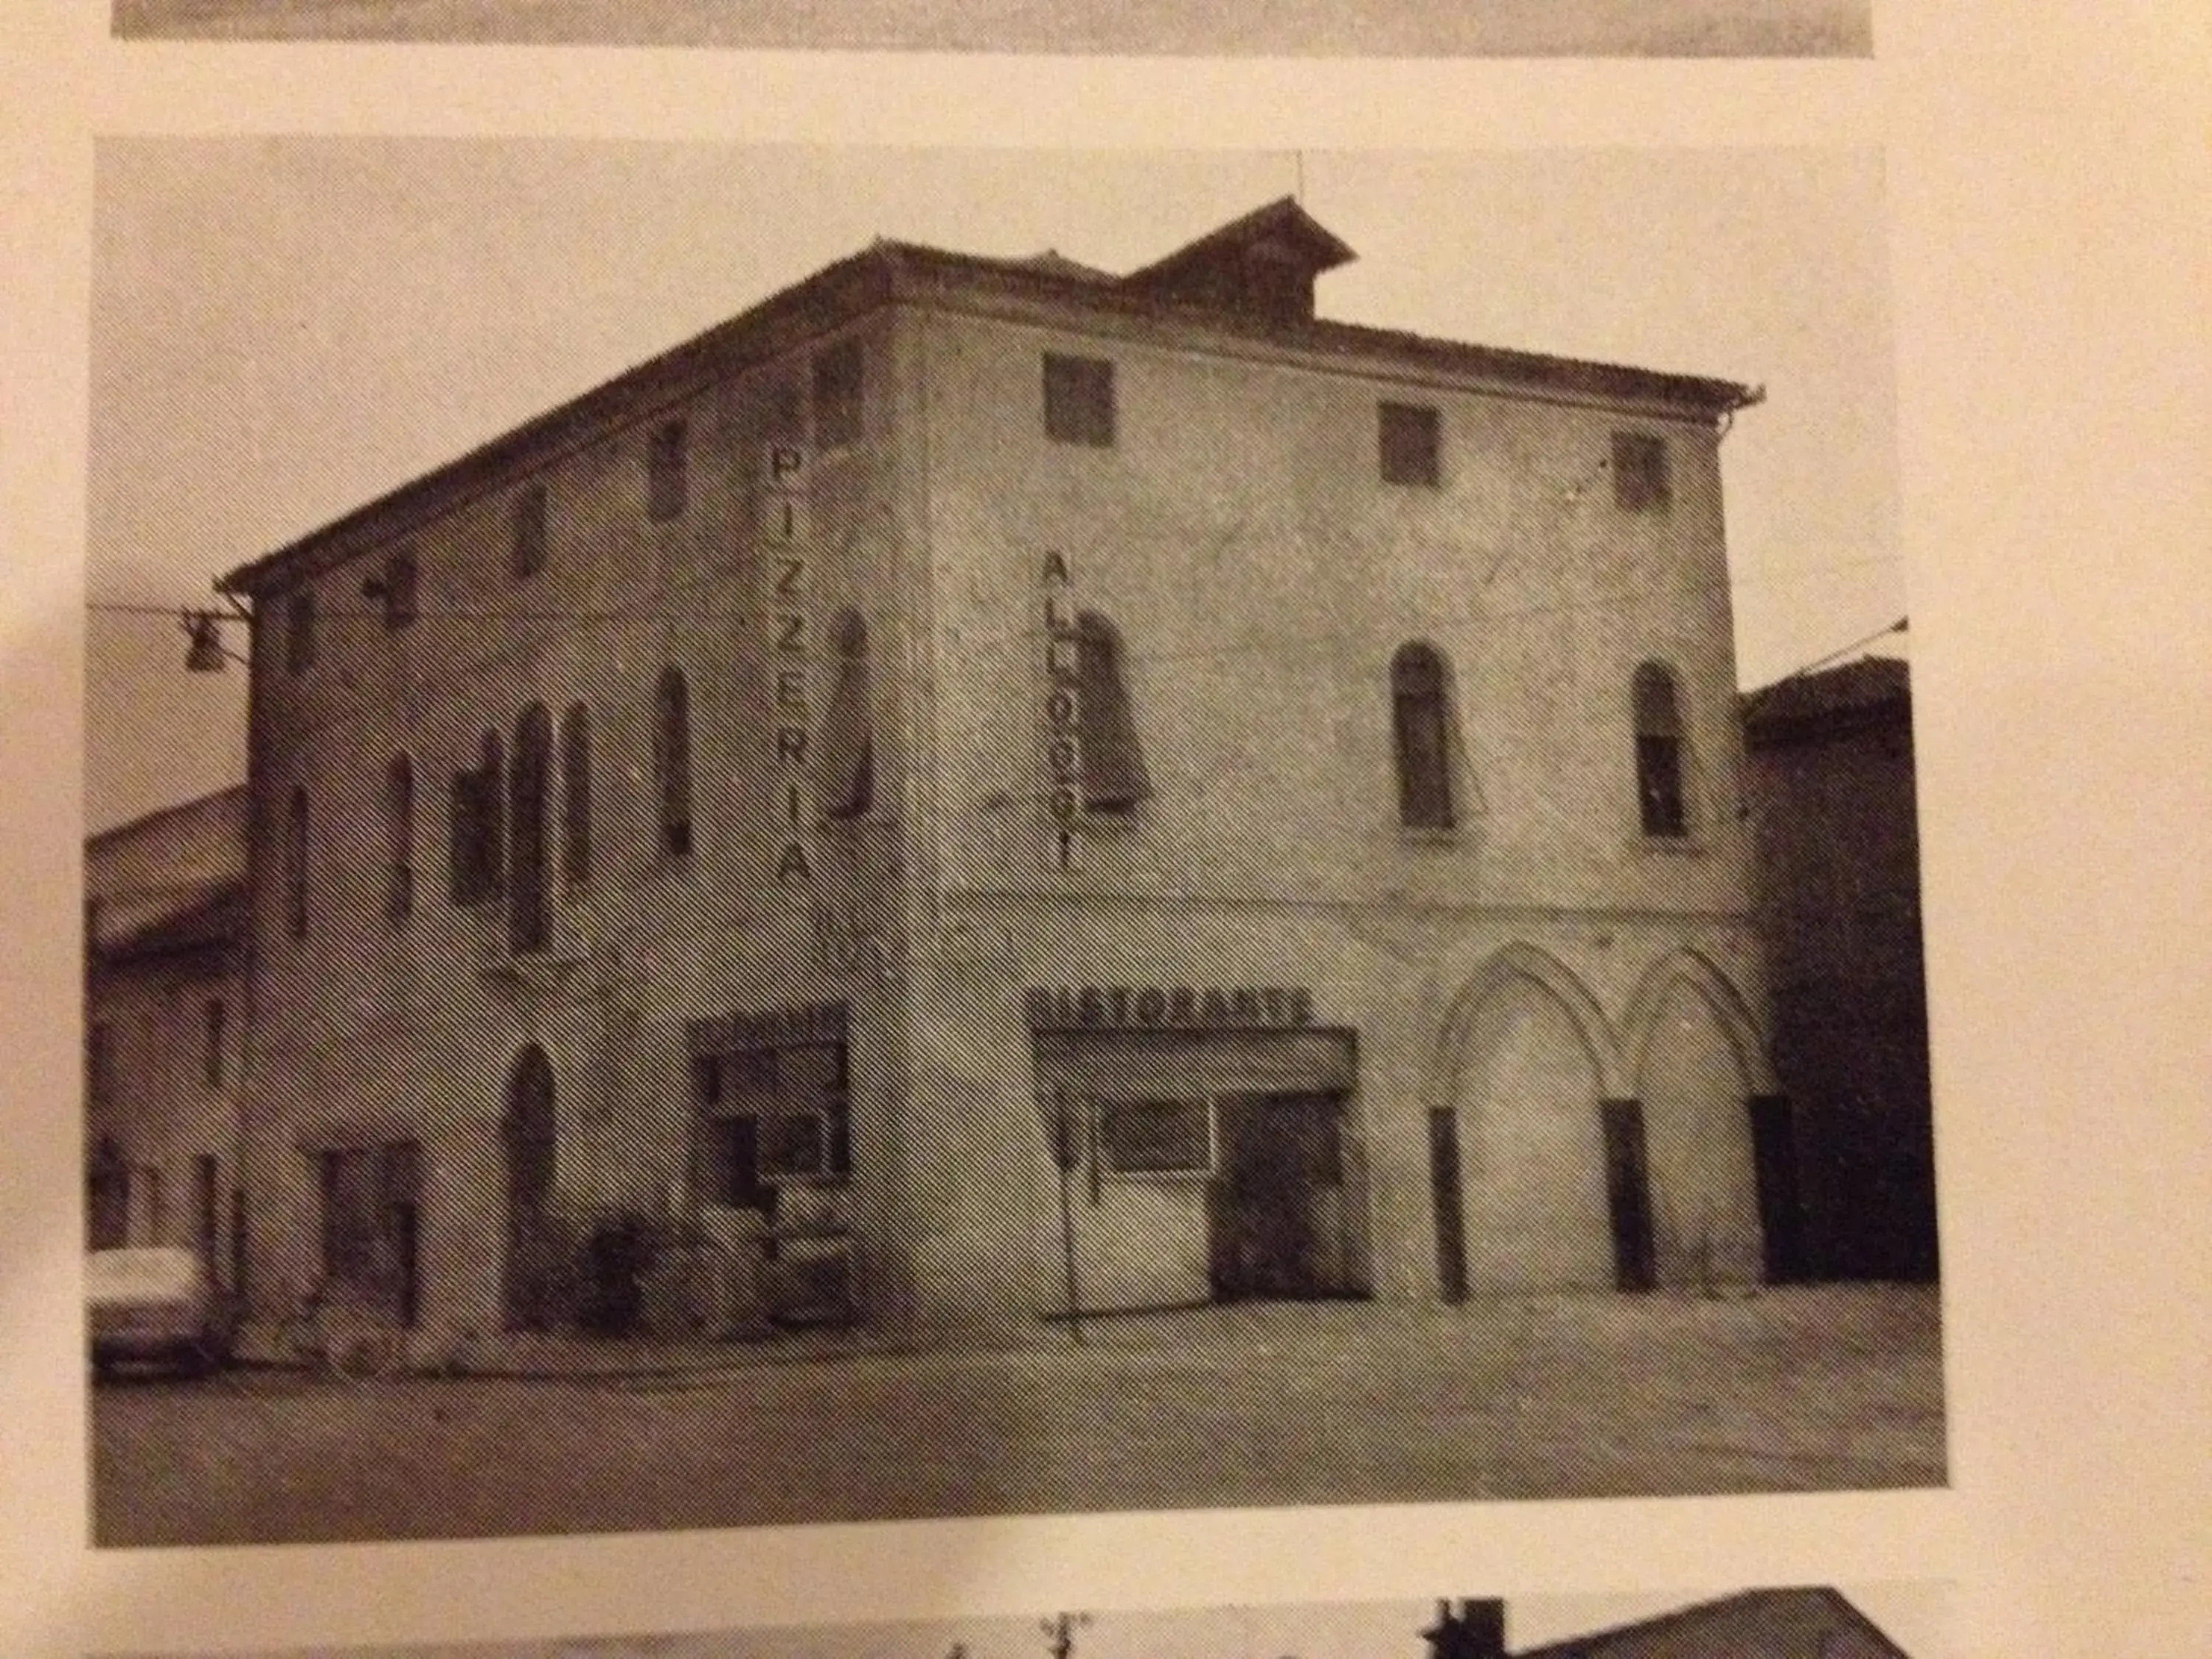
column 531, row 1249
column 1277, row 1221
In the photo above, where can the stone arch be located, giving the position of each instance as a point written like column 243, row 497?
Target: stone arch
column 1527, row 1062
column 1524, row 961
column 1697, row 1062
column 1727, row 1004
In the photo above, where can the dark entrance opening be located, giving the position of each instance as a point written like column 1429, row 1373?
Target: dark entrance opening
column 1781, row 1210
column 1451, row 1222
column 1628, row 1195
column 533, row 1251
column 1276, row 1206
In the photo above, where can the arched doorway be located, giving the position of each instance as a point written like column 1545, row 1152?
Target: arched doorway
column 1696, row 1100
column 532, row 1248
column 1532, row 1150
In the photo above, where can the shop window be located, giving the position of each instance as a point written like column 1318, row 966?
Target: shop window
column 400, row 839
column 576, row 793
column 300, row 631
column 795, row 1099
column 1420, row 705
column 667, row 472
column 478, row 830
column 526, row 540
column 296, row 864
column 1156, row 1138
column 1078, row 400
column 1659, row 755
column 1408, row 439
column 1114, row 775
column 845, row 775
column 529, row 919
column 840, row 395
column 214, row 1020
column 398, row 587
column 1640, row 483
column 671, row 761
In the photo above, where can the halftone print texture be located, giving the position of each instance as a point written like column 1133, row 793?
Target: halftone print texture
column 883, row 926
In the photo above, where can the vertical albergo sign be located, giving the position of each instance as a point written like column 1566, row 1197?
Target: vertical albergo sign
column 1063, row 708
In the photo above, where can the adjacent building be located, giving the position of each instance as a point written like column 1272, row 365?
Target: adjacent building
column 1041, row 790
column 1830, row 780
column 164, row 1028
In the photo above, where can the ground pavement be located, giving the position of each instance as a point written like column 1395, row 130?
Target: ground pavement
column 1818, row 1389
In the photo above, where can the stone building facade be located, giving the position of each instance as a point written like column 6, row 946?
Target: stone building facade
column 165, row 1016
column 1051, row 791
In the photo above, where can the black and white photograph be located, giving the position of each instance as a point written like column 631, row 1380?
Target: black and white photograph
column 801, row 835
column 1691, row 29
column 1880, row 1621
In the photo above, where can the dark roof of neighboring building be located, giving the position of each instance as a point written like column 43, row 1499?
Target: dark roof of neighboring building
column 212, row 916
column 1853, row 695
column 1594, row 1644
column 221, row 800
column 889, row 272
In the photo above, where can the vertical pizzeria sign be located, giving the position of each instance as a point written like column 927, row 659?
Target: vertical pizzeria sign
column 785, row 558
column 1063, row 711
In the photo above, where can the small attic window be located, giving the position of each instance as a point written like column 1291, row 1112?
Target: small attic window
column 1078, row 400
column 1640, row 483
column 1408, row 435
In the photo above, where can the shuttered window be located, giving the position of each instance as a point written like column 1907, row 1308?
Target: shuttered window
column 1114, row 775
column 1420, row 703
column 845, row 775
column 1663, row 806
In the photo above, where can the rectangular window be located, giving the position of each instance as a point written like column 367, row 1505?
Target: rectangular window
column 667, row 488
column 1408, row 442
column 1155, row 1137
column 1640, row 483
column 840, row 395
column 792, row 1101
column 1078, row 400
column 526, row 546
column 300, row 631
column 399, row 589
column 212, row 1059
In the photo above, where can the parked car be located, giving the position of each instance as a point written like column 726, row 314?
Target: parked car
column 157, row 1306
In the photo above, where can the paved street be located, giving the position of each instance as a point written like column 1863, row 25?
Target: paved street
column 1791, row 1390
column 1392, row 27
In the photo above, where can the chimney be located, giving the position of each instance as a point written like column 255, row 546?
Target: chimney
column 1476, row 1631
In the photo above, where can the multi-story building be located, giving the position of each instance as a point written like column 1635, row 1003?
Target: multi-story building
column 1096, row 792
column 1831, row 778
column 165, row 996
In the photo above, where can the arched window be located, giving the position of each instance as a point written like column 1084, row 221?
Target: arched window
column 846, row 772
column 529, row 920
column 1660, row 757
column 671, row 761
column 1420, row 713
column 576, row 793
column 295, row 863
column 1114, row 776
column 400, row 839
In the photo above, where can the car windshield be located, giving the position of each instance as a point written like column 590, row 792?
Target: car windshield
column 152, row 1272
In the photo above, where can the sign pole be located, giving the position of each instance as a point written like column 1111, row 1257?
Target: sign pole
column 1066, row 1161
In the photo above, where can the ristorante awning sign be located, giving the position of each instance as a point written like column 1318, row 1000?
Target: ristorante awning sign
column 1169, row 1007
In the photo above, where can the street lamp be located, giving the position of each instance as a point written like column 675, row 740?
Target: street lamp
column 204, row 652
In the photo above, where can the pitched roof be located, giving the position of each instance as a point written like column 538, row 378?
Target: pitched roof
column 1845, row 697
column 1787, row 1602
column 890, row 272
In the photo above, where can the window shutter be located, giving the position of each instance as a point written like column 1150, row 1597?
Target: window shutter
column 846, row 775
column 1114, row 777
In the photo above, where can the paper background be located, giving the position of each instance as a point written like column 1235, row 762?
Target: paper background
column 2048, row 170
